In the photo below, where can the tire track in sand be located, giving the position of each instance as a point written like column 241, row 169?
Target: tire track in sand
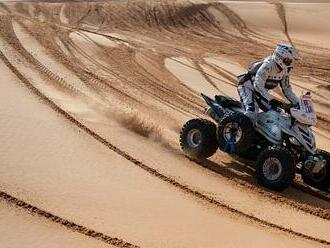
column 282, row 15
column 248, row 184
column 232, row 176
column 64, row 222
column 143, row 166
column 254, row 187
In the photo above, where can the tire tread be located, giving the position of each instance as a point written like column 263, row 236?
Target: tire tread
column 209, row 130
column 324, row 184
column 247, row 129
column 283, row 154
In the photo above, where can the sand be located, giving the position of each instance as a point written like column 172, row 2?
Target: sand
column 92, row 100
column 20, row 229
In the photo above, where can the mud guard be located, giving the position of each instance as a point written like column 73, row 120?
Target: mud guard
column 217, row 109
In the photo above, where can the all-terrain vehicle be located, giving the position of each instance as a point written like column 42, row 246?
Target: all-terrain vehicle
column 281, row 141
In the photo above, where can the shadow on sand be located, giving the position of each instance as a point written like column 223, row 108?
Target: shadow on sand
column 242, row 172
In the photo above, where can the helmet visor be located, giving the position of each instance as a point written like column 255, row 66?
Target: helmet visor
column 287, row 61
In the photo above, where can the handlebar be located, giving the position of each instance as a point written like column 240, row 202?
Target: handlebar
column 287, row 106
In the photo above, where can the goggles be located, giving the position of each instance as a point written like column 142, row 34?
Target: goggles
column 287, row 61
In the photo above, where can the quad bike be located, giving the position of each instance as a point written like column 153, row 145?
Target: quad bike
column 280, row 141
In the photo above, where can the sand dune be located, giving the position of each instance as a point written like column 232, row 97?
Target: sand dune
column 93, row 96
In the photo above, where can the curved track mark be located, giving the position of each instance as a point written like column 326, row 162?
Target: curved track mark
column 148, row 169
column 242, row 181
column 251, row 185
column 319, row 194
column 66, row 223
column 282, row 15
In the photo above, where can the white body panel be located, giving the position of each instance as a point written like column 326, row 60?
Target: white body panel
column 305, row 114
column 273, row 124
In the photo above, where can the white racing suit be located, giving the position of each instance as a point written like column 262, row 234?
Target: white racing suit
column 253, row 86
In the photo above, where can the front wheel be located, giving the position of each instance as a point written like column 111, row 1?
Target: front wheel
column 198, row 139
column 275, row 168
column 320, row 180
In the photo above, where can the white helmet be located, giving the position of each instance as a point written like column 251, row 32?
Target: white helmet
column 284, row 55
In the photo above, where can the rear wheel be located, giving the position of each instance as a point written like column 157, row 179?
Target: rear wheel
column 235, row 133
column 198, row 139
column 275, row 168
column 320, row 180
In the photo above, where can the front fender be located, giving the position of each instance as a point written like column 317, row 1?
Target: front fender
column 303, row 134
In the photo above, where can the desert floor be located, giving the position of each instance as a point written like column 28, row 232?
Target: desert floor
column 92, row 99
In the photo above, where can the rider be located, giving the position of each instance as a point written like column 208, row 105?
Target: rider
column 265, row 75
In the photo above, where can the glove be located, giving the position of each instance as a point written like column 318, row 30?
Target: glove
column 287, row 107
column 274, row 103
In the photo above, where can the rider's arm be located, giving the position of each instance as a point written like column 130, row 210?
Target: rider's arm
column 260, row 81
column 287, row 91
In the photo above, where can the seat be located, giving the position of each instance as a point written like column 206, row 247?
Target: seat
column 227, row 102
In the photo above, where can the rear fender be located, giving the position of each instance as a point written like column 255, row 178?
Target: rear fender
column 217, row 109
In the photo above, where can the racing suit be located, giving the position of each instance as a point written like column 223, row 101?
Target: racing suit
column 253, row 86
